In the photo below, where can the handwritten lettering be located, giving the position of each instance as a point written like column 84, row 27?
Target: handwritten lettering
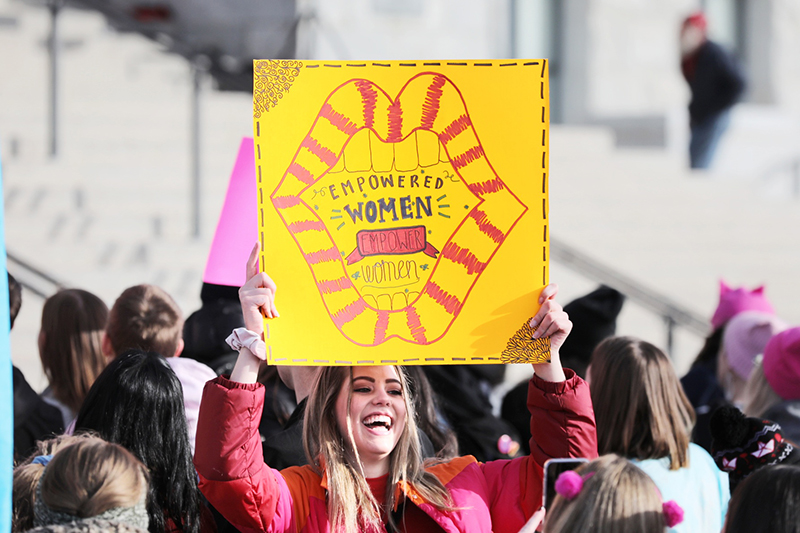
column 410, row 207
column 383, row 181
column 390, row 272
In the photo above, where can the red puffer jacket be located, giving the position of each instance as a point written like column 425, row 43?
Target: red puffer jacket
column 497, row 496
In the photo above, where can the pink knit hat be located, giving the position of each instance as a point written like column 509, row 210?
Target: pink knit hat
column 745, row 337
column 782, row 364
column 734, row 301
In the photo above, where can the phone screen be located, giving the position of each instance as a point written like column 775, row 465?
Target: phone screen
column 554, row 468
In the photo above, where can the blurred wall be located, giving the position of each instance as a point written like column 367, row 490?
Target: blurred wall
column 613, row 62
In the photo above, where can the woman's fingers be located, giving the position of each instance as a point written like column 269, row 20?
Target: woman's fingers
column 548, row 293
column 547, row 307
column 252, row 261
column 257, row 295
column 553, row 324
column 551, row 321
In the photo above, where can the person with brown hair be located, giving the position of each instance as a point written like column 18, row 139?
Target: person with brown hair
column 26, row 478
column 366, row 471
column 93, row 482
column 82, row 483
column 609, row 494
column 70, row 348
column 643, row 414
column 146, row 318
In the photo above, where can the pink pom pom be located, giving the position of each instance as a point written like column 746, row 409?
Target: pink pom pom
column 673, row 513
column 569, row 484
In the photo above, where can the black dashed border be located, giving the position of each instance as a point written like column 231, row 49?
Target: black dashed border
column 405, row 360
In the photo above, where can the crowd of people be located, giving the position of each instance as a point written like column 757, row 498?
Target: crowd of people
column 152, row 423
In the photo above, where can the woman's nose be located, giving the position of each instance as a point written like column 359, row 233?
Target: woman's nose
column 382, row 397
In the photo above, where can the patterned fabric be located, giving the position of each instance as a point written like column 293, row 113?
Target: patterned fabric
column 747, row 444
column 89, row 525
column 43, row 515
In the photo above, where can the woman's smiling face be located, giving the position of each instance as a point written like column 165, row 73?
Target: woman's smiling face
column 377, row 413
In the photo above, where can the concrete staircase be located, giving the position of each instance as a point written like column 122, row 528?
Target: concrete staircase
column 676, row 231
column 113, row 211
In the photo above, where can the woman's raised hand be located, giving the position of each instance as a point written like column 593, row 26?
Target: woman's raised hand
column 257, row 295
column 551, row 321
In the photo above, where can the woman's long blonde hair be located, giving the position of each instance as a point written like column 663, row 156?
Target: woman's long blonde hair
column 616, row 497
column 758, row 394
column 27, row 475
column 91, row 477
column 351, row 506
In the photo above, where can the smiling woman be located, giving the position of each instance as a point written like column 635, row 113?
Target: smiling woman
column 371, row 411
column 366, row 471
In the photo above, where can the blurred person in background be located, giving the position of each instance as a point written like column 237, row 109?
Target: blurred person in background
column 34, row 418
column 146, row 318
column 701, row 383
column 773, row 390
column 716, row 83
column 70, row 347
column 743, row 343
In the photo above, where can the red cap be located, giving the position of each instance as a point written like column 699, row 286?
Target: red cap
column 698, row 20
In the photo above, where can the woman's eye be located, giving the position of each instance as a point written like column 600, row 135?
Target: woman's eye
column 361, row 389
column 397, row 392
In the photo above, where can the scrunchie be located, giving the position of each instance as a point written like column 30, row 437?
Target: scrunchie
column 244, row 338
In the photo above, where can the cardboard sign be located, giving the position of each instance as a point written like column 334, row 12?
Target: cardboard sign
column 403, row 209
column 6, row 385
column 236, row 228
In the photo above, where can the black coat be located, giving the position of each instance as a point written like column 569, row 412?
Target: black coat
column 34, row 419
column 714, row 79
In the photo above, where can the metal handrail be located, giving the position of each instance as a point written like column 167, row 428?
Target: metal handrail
column 672, row 313
column 35, row 280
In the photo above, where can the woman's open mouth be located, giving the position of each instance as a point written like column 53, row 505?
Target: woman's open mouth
column 380, row 424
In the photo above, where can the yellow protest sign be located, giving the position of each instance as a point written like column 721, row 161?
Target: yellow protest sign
column 403, row 209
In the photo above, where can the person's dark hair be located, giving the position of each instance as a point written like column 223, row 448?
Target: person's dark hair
column 445, row 443
column 14, row 299
column 639, row 404
column 768, row 500
column 137, row 402
column 710, row 350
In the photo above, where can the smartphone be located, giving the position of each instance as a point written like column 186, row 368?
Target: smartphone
column 554, row 468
